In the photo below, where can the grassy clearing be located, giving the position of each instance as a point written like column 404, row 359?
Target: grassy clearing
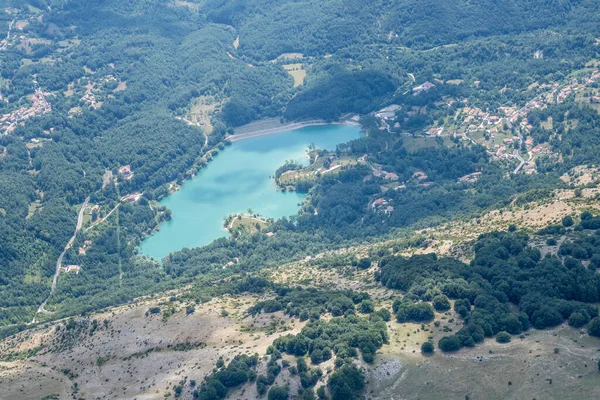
column 201, row 112
column 33, row 207
column 297, row 72
column 249, row 223
column 413, row 144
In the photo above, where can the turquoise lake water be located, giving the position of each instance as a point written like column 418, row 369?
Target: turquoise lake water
column 237, row 179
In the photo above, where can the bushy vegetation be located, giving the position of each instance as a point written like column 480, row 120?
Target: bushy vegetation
column 340, row 336
column 346, row 383
column 310, row 303
column 505, row 270
column 217, row 384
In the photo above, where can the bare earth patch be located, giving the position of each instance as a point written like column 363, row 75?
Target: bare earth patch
column 137, row 355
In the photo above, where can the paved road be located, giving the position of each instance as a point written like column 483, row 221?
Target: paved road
column 517, row 155
column 62, row 255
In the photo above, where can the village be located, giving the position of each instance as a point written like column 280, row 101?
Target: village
column 504, row 133
column 39, row 106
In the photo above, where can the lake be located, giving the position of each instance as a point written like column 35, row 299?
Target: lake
column 237, row 179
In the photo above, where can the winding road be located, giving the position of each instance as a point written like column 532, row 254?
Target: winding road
column 41, row 309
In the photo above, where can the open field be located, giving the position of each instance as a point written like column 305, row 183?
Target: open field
column 134, row 355
column 33, row 207
column 247, row 223
column 201, row 112
column 309, row 174
column 297, row 72
column 528, row 368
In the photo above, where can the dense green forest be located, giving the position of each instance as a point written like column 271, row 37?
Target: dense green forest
column 147, row 61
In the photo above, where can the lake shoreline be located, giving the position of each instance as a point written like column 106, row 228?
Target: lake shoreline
column 238, row 178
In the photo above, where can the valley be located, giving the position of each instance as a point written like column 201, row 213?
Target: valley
column 214, row 199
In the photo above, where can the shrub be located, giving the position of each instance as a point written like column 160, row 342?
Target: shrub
column 503, row 337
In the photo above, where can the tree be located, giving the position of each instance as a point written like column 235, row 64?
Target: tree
column 441, row 303
column 594, row 327
column 366, row 307
column 449, row 343
column 322, row 392
column 278, row 393
column 384, row 313
column 346, row 383
column 577, row 320
column 503, row 337
column 427, row 348
column 364, row 263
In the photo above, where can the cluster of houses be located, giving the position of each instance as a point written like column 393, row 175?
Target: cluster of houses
column 388, row 176
column 382, row 205
column 39, row 106
column 90, row 97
